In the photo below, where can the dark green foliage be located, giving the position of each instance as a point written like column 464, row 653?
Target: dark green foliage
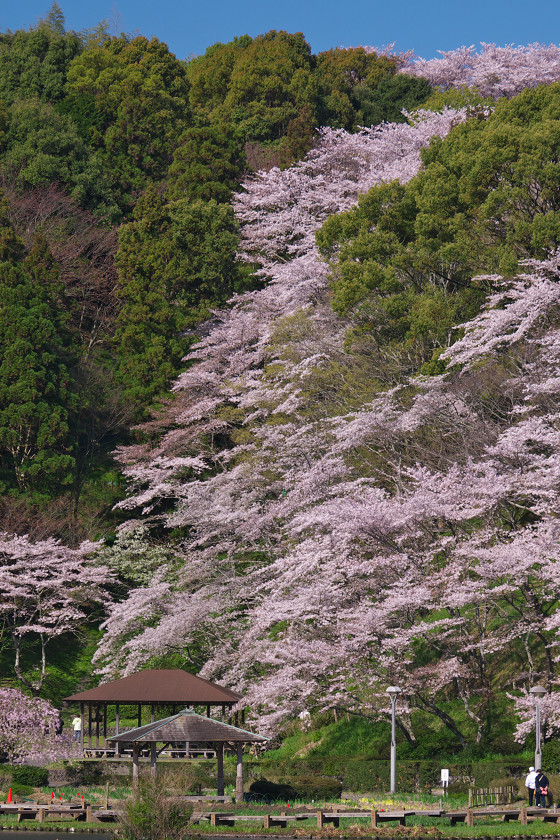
column 35, row 386
column 275, row 92
column 33, row 776
column 208, row 164
column 34, row 64
column 256, row 84
column 386, row 102
column 147, row 339
column 44, row 147
column 359, row 88
column 174, row 260
column 487, row 197
column 361, row 775
column 137, row 95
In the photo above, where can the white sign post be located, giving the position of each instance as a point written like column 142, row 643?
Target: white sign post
column 445, row 779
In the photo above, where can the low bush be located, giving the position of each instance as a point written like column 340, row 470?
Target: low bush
column 33, row 776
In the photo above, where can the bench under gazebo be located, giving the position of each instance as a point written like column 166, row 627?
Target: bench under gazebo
column 188, row 727
column 156, row 689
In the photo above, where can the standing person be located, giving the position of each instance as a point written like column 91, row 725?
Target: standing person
column 530, row 784
column 541, row 788
column 77, row 725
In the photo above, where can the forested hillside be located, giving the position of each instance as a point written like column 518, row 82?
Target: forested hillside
column 279, row 371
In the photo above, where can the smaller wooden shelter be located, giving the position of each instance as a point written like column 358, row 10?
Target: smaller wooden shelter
column 188, row 726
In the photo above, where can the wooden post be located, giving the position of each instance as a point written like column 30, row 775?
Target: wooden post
column 153, row 756
column 152, row 714
column 83, row 726
column 223, row 712
column 89, row 813
column 208, row 711
column 90, row 705
column 373, row 819
column 243, row 715
column 97, row 711
column 105, row 724
column 470, row 817
column 319, row 819
column 135, row 766
column 523, row 815
column 220, row 759
column 107, row 796
column 139, row 715
column 40, row 815
column 239, row 776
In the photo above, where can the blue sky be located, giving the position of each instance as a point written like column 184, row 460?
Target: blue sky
column 189, row 26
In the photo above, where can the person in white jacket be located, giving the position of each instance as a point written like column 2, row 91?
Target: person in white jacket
column 530, row 784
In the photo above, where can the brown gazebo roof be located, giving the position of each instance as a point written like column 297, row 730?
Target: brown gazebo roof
column 187, row 726
column 159, row 686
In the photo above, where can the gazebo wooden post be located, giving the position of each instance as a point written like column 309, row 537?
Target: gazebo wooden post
column 97, row 711
column 90, row 706
column 105, row 724
column 135, row 752
column 153, row 756
column 152, row 714
column 208, row 711
column 139, row 715
column 117, row 718
column 220, row 759
column 223, row 712
column 239, row 776
column 83, row 725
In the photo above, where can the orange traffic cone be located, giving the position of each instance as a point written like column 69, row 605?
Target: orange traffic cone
column 9, row 799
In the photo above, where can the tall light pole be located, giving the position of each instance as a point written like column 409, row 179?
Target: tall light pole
column 538, row 693
column 393, row 691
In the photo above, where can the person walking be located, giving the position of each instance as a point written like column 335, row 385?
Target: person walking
column 530, row 784
column 541, row 788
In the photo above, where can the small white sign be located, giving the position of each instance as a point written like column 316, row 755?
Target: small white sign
column 445, row 777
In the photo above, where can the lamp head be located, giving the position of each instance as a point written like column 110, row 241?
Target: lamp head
column 537, row 691
column 393, row 690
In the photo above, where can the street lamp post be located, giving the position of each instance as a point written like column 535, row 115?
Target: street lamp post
column 393, row 691
column 538, row 693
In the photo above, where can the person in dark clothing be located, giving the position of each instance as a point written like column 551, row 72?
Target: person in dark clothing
column 541, row 789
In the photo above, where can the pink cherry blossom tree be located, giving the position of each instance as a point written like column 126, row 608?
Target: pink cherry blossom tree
column 30, row 730
column 47, row 590
column 337, row 536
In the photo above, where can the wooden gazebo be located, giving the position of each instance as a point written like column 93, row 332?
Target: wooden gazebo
column 188, row 726
column 153, row 688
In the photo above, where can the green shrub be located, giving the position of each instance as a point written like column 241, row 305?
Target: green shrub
column 33, row 776
column 21, row 790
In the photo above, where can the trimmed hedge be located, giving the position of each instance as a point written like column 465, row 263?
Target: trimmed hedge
column 360, row 775
column 31, row 776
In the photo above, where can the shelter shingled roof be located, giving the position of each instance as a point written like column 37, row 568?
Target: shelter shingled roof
column 187, row 726
column 159, row 686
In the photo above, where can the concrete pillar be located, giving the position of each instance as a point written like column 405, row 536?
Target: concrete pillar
column 239, row 776
column 135, row 765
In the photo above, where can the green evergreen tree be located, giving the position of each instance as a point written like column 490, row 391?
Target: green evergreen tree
column 147, row 341
column 207, row 164
column 35, row 354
